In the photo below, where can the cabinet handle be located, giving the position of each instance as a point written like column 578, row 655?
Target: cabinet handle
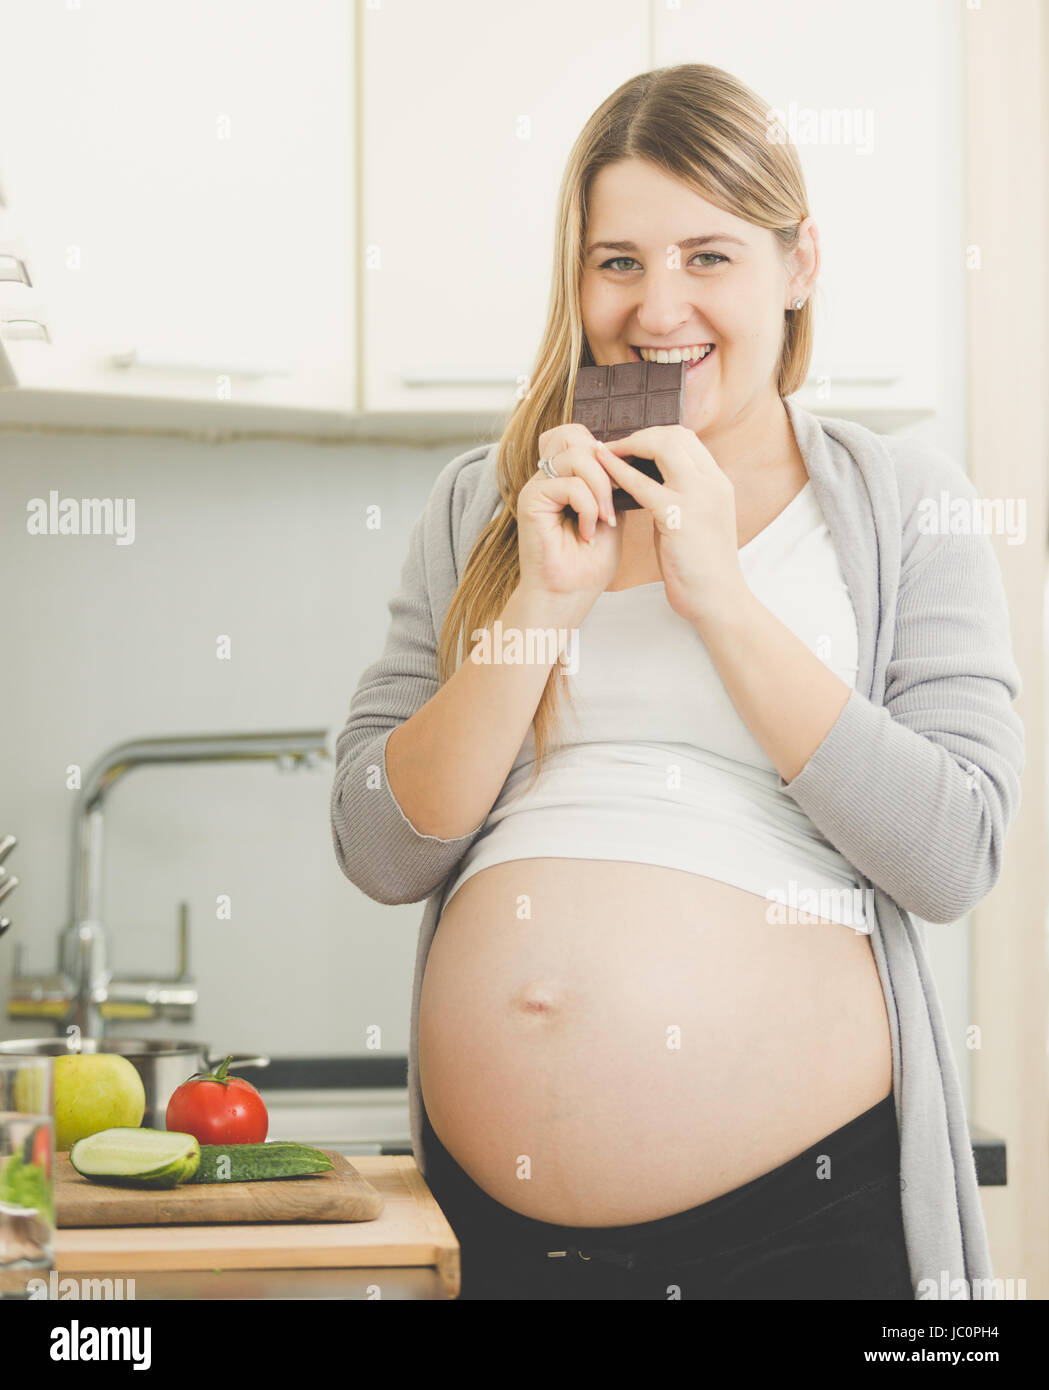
column 12, row 268
column 461, row 376
column 860, row 376
column 15, row 329
column 172, row 362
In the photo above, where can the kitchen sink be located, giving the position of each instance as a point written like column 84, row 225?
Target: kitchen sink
column 361, row 1120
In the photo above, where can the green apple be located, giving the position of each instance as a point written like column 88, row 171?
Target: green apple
column 95, row 1091
column 30, row 1090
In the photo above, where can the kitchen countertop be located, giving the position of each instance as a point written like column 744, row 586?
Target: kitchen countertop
column 409, row 1251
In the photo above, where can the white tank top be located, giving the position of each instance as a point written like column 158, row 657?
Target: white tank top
column 658, row 767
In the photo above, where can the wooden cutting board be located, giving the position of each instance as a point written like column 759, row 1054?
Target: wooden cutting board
column 412, row 1231
column 339, row 1195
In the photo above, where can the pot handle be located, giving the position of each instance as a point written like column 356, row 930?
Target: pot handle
column 257, row 1061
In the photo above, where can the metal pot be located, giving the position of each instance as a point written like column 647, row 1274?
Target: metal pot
column 162, row 1064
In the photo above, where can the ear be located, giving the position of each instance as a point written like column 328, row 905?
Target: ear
column 803, row 262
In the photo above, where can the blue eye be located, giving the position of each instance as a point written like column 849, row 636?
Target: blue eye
column 714, row 256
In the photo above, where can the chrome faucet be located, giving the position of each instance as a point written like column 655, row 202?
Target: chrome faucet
column 8, row 882
column 84, row 991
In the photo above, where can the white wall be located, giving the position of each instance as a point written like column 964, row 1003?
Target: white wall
column 265, row 542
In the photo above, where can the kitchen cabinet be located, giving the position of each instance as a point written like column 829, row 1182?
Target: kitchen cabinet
column 469, row 112
column 178, row 181
column 871, row 96
column 215, row 234
column 338, row 220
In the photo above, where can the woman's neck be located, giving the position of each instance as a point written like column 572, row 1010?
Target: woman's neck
column 758, row 441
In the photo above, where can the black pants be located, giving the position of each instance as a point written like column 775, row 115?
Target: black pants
column 789, row 1234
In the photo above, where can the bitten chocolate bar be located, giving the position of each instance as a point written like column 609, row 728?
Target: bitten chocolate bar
column 616, row 400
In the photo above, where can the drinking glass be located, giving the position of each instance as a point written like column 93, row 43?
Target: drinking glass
column 27, row 1148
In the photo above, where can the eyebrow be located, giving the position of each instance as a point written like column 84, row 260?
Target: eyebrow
column 687, row 245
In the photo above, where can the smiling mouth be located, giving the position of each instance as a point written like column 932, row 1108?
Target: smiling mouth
column 694, row 354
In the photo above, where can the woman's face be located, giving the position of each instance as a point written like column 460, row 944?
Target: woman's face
column 664, row 268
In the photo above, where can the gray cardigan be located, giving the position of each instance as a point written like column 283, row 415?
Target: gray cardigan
column 916, row 782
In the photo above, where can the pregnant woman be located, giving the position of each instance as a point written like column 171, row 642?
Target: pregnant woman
column 673, row 1029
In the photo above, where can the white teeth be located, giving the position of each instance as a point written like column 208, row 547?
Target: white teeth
column 687, row 354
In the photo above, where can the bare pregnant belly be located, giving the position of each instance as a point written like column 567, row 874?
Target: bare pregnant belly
column 602, row 1043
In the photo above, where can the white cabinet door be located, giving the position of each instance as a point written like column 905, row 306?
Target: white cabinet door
column 469, row 113
column 870, row 94
column 180, row 175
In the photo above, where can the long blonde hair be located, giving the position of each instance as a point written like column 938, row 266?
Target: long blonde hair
column 707, row 129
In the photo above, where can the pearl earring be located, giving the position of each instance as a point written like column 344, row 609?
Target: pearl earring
column 797, row 303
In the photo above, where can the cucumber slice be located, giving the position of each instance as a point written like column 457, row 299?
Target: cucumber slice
column 136, row 1157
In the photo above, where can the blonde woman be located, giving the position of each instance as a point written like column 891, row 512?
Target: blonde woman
column 673, row 1029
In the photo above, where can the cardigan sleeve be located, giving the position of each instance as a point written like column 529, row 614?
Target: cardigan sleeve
column 918, row 794
column 376, row 845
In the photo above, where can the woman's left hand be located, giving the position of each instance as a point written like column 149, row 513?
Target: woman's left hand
column 694, row 511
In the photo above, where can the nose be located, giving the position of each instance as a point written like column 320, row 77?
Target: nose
column 664, row 306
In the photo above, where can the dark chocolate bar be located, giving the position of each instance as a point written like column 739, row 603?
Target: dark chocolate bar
column 614, row 401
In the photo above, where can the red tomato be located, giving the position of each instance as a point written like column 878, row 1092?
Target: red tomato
column 40, row 1153
column 218, row 1109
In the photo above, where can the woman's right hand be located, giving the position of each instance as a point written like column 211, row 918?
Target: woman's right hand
column 557, row 559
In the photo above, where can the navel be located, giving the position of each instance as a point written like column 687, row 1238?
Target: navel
column 539, row 998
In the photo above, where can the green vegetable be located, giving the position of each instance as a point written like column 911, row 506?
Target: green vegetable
column 164, row 1158
column 259, row 1162
column 25, row 1184
column 136, row 1157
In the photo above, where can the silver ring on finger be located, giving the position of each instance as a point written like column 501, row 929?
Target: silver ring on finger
column 547, row 466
